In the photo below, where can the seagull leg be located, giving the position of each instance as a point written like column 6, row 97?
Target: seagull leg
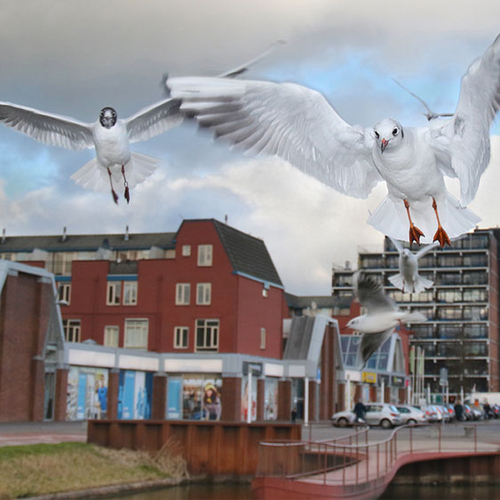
column 115, row 196
column 125, row 183
column 415, row 232
column 441, row 234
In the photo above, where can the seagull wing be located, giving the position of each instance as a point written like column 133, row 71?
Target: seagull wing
column 287, row 120
column 370, row 342
column 426, row 249
column 371, row 295
column 396, row 243
column 154, row 120
column 465, row 138
column 48, row 128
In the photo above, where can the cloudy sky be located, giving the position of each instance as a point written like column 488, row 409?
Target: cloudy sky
column 73, row 58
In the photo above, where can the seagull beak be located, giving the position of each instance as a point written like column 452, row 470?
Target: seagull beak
column 383, row 145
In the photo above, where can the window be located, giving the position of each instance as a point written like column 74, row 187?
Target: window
column 203, row 294
column 262, row 338
column 186, row 250
column 136, row 333
column 72, row 330
column 207, row 334
column 111, row 336
column 181, row 335
column 182, row 294
column 205, row 255
column 130, row 293
column 114, row 293
column 64, row 292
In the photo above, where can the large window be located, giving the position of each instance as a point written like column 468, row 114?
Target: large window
column 205, row 255
column 475, row 313
column 64, row 292
column 136, row 333
column 207, row 334
column 130, row 293
column 203, row 294
column 475, row 278
column 446, row 295
column 262, row 338
column 111, row 336
column 113, row 297
column 475, row 295
column 181, row 336
column 72, row 330
column 182, row 294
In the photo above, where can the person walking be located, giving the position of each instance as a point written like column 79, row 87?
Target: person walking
column 359, row 410
column 459, row 411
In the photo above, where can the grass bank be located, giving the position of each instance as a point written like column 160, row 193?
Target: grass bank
column 42, row 469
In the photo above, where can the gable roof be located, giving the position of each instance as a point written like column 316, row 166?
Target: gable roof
column 248, row 254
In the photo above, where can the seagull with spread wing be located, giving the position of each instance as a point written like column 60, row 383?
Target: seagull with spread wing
column 381, row 317
column 299, row 125
column 408, row 279
column 110, row 136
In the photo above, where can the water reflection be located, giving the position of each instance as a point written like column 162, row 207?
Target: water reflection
column 424, row 492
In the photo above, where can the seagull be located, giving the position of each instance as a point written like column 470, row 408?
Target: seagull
column 382, row 316
column 298, row 125
column 109, row 135
column 408, row 279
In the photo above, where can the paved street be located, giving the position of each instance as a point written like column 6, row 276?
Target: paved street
column 19, row 433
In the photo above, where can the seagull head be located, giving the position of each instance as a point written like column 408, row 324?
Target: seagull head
column 107, row 117
column 405, row 253
column 388, row 133
column 353, row 323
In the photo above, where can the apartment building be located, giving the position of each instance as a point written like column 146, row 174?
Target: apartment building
column 461, row 332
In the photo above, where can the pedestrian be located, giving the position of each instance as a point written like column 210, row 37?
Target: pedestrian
column 294, row 415
column 459, row 411
column 359, row 410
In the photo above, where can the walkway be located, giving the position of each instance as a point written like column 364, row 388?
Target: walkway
column 21, row 433
column 355, row 466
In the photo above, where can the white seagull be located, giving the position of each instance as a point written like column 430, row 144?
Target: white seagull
column 408, row 279
column 381, row 317
column 110, row 136
column 299, row 125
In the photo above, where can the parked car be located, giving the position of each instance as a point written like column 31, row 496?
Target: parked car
column 468, row 413
column 451, row 410
column 433, row 414
column 411, row 415
column 444, row 412
column 382, row 414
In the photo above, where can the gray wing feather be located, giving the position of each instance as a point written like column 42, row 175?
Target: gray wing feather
column 154, row 120
column 287, row 120
column 370, row 342
column 372, row 296
column 48, row 128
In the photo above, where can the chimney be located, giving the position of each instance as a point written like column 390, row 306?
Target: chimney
column 225, row 219
column 126, row 236
column 347, row 265
column 64, row 237
column 4, row 238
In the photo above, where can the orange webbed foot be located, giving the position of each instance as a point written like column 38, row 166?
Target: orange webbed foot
column 442, row 237
column 415, row 234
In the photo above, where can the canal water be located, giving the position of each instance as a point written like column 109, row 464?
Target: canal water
column 243, row 492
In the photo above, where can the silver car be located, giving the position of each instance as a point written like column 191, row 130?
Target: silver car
column 411, row 415
column 382, row 414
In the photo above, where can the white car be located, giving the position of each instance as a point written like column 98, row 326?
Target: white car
column 411, row 415
column 382, row 414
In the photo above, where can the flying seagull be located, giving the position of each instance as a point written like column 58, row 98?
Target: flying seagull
column 110, row 136
column 300, row 126
column 408, row 279
column 382, row 316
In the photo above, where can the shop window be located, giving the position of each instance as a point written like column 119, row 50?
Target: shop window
column 181, row 336
column 182, row 294
column 203, row 294
column 207, row 334
column 111, row 336
column 114, row 293
column 64, row 293
column 205, row 255
column 72, row 330
column 130, row 293
column 136, row 333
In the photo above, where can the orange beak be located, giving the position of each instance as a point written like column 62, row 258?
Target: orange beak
column 383, row 145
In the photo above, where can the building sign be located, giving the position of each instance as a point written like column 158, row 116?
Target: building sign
column 255, row 367
column 398, row 381
column 369, row 377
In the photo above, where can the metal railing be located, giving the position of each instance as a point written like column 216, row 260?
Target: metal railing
column 354, row 460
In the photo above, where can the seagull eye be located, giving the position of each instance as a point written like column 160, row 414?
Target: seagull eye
column 377, row 135
column 395, row 131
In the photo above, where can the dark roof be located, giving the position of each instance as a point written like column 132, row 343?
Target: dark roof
column 248, row 255
column 321, row 301
column 87, row 242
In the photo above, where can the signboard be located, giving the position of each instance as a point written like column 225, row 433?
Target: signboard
column 369, row 377
column 443, row 376
column 255, row 367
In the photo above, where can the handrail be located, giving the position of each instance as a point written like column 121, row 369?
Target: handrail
column 351, row 462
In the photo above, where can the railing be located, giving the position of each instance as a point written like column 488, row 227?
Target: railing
column 352, row 459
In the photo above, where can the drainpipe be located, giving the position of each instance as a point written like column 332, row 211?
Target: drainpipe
column 306, row 402
column 249, row 397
